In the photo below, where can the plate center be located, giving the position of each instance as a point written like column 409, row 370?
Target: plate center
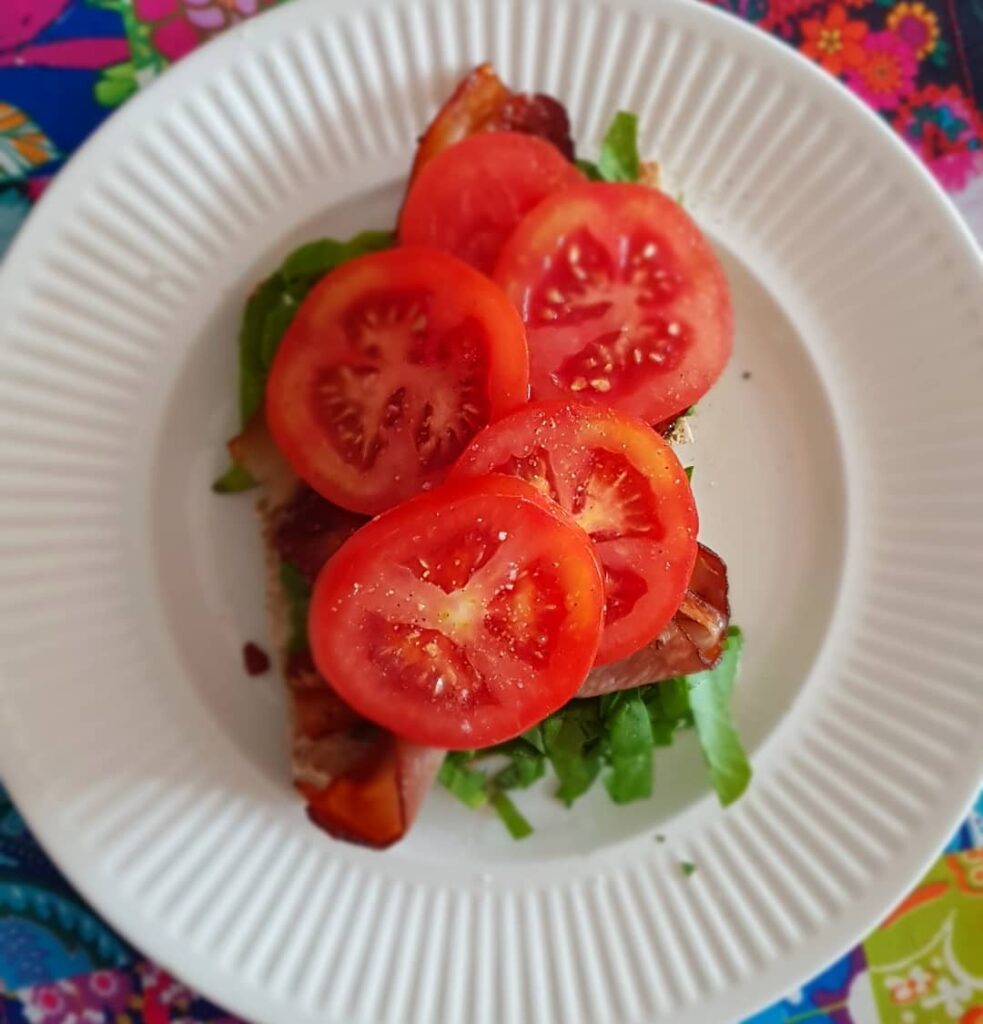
column 770, row 489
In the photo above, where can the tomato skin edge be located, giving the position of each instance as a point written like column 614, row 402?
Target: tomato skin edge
column 637, row 440
column 526, row 167
column 602, row 207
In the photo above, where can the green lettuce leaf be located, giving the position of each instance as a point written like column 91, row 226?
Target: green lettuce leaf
column 619, row 160
column 234, row 480
column 526, row 765
column 468, row 784
column 630, row 748
column 571, row 738
column 314, row 260
column 709, row 700
column 511, row 817
column 474, row 788
column 589, row 170
column 612, row 737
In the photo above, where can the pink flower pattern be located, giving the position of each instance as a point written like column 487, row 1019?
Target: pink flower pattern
column 887, row 74
column 178, row 26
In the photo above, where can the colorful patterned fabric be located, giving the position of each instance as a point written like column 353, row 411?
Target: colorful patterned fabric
column 66, row 64
column 918, row 64
column 59, row 964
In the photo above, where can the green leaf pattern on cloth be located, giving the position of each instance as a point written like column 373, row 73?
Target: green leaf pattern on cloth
column 925, row 962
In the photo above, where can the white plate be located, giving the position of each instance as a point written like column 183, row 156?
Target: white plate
column 842, row 482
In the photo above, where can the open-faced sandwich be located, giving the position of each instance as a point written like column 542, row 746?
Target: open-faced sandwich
column 482, row 549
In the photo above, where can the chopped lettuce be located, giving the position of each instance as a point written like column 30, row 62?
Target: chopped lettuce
column 709, row 700
column 475, row 788
column 270, row 311
column 631, row 749
column 612, row 737
column 511, row 816
column 469, row 785
column 235, row 479
column 618, row 159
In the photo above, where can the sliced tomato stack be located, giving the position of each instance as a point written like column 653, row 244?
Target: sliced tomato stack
column 463, row 617
column 468, row 610
column 623, row 485
column 469, row 198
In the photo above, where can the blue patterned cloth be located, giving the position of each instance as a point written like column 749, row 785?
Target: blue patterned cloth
column 64, row 66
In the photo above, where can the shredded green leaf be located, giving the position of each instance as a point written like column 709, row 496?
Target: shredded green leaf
column 687, row 867
column 270, row 311
column 612, row 737
column 589, row 170
column 298, row 594
column 315, row 259
column 511, row 817
column 468, row 784
column 234, row 480
column 473, row 787
column 572, row 739
column 709, row 699
column 526, row 765
column 619, row 160
column 252, row 374
column 689, row 472
column 630, row 749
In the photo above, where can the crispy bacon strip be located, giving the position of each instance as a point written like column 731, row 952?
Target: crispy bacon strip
column 690, row 643
column 483, row 103
column 361, row 783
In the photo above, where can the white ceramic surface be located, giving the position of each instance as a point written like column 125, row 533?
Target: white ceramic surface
column 842, row 481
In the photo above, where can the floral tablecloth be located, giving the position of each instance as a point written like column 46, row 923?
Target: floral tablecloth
column 65, row 65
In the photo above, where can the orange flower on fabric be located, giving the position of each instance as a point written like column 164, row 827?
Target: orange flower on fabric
column 835, row 42
column 915, row 25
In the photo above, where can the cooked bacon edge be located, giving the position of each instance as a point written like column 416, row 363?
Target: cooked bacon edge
column 482, row 103
column 361, row 783
column 690, row 643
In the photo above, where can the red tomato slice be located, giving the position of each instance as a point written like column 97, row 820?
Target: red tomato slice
column 623, row 299
column 469, row 198
column 393, row 362
column 624, row 486
column 462, row 617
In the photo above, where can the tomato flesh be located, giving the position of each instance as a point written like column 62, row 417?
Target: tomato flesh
column 623, row 485
column 462, row 617
column 624, row 302
column 393, row 362
column 469, row 198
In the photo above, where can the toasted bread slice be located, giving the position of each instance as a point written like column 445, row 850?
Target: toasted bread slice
column 361, row 783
